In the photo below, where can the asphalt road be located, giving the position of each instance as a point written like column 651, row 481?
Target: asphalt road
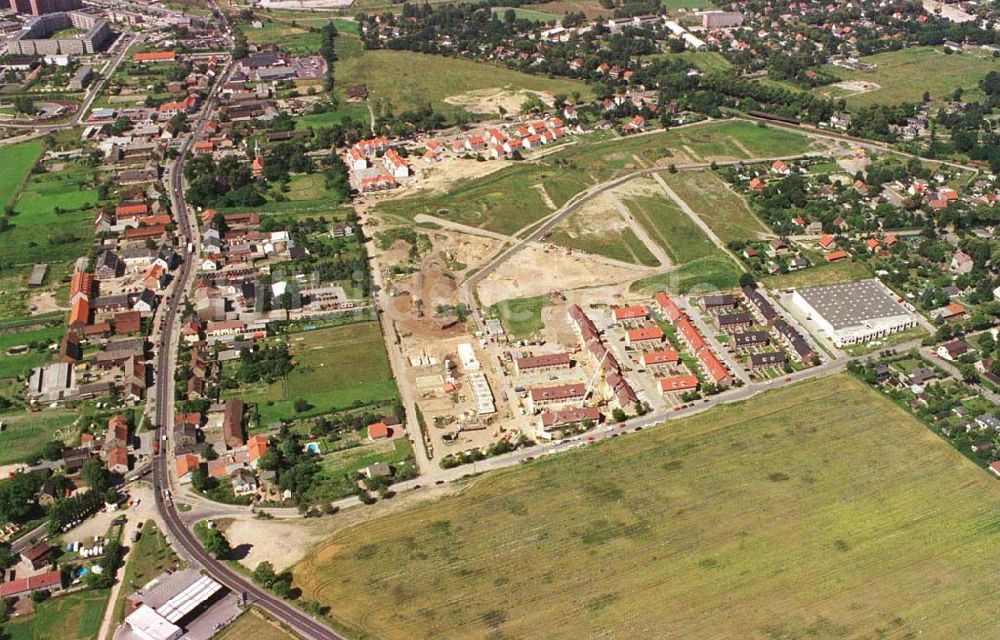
column 179, row 534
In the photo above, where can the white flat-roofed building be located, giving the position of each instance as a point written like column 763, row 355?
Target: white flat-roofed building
column 854, row 312
column 468, row 357
column 485, row 404
column 147, row 624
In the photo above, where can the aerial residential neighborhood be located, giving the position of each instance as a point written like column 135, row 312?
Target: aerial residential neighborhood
column 340, row 319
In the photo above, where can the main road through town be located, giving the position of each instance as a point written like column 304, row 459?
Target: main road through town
column 180, row 535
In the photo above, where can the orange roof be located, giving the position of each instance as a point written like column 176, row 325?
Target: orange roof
column 825, row 241
column 81, row 282
column 155, row 56
column 117, row 457
column 118, row 427
column 678, row 383
column 871, row 243
column 159, row 219
column 691, row 335
column 955, row 309
column 834, row 256
column 80, row 314
column 145, row 232
column 668, row 306
column 257, row 446
column 756, row 184
column 378, row 430
column 660, row 357
column 630, row 313
column 186, row 463
column 131, row 210
column 645, row 333
column 712, row 365
column 889, row 240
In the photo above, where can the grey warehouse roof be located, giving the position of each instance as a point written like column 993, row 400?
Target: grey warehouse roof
column 853, row 303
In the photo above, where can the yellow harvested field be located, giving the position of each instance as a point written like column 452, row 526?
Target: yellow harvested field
column 817, row 511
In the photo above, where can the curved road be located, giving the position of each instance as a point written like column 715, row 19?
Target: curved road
column 181, row 536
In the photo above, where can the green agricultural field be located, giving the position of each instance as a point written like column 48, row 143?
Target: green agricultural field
column 510, row 199
column 670, row 5
column 723, row 210
column 528, row 14
column 904, row 75
column 817, row 511
column 407, row 80
column 664, row 221
column 53, row 217
column 25, row 433
column 704, row 275
column 618, row 244
column 17, row 160
column 337, row 367
column 313, row 19
column 521, row 317
column 845, row 271
column 76, row 616
column 293, row 40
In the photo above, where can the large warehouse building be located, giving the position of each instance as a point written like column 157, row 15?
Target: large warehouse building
column 854, row 312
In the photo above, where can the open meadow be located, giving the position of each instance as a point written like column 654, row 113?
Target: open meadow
column 820, row 274
column 512, row 198
column 25, row 433
column 817, row 511
column 406, row 80
column 904, row 75
column 291, row 39
column 670, row 227
column 337, row 368
column 724, row 211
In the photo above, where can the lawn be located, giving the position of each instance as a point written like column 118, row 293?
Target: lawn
column 785, row 516
column 407, row 79
column 21, row 364
column 25, row 433
column 521, row 317
column 17, row 160
column 257, row 625
column 72, row 617
column 846, row 271
column 663, row 220
column 724, row 211
column 148, row 558
column 338, row 367
column 510, row 199
column 704, row 275
column 340, row 468
column 354, row 110
column 904, row 75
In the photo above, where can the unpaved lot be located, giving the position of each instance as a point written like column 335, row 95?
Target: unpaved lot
column 540, row 270
column 491, row 100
